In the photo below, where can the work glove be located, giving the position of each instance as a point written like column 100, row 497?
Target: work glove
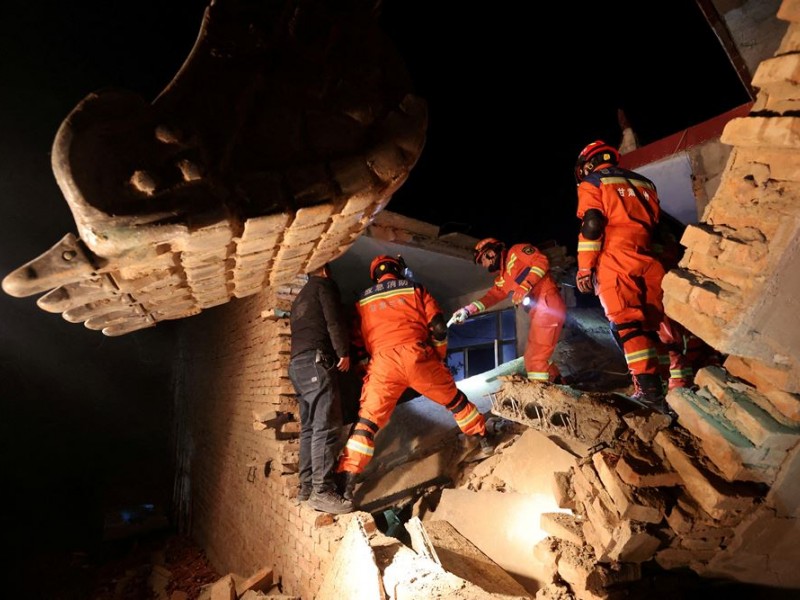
column 520, row 293
column 584, row 281
column 458, row 317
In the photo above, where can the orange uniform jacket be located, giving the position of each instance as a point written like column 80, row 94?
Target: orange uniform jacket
column 391, row 324
column 384, row 305
column 526, row 271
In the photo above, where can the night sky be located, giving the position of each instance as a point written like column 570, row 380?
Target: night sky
column 513, row 95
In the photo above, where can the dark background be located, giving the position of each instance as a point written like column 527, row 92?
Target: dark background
column 514, row 92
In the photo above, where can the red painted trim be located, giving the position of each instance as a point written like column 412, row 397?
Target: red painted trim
column 692, row 136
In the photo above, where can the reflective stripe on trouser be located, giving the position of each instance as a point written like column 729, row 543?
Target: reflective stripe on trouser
column 639, row 348
column 547, row 321
column 679, row 378
column 360, row 446
column 467, row 416
column 539, row 375
column 678, row 369
column 389, row 373
column 633, row 296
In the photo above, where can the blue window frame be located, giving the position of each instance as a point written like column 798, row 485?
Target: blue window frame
column 482, row 343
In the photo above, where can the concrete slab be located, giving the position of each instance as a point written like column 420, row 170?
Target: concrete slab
column 353, row 573
column 764, row 551
column 509, row 536
column 527, row 466
column 462, row 558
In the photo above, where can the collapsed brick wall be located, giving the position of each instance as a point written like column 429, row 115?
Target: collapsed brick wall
column 736, row 287
column 240, row 437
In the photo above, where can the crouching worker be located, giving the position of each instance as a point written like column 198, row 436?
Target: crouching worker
column 400, row 328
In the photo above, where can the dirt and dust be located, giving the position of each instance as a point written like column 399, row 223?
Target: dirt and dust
column 124, row 570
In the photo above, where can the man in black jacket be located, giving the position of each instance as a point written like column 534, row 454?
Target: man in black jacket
column 320, row 346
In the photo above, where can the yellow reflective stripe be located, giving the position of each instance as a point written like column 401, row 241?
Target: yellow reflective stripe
column 681, row 373
column 442, row 343
column 589, row 246
column 538, row 376
column 636, row 182
column 538, row 270
column 478, row 305
column 464, row 422
column 510, row 264
column 387, row 294
column 360, row 448
column 645, row 354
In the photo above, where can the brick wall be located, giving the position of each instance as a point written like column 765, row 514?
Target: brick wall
column 736, row 286
column 242, row 473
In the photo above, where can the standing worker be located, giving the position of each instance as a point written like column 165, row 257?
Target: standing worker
column 400, row 328
column 619, row 210
column 524, row 272
column 320, row 343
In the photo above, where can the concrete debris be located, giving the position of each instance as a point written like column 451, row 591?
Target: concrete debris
column 656, row 492
column 420, row 541
column 572, row 417
column 567, row 527
column 461, row 557
column 369, row 564
column 237, row 587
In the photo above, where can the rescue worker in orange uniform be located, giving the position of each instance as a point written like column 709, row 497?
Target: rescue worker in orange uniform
column 619, row 210
column 524, row 272
column 400, row 327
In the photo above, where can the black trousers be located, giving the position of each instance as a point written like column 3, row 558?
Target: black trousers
column 316, row 382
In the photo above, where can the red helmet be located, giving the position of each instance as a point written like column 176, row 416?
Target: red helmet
column 596, row 153
column 383, row 264
column 489, row 245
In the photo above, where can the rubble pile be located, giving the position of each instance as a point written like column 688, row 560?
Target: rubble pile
column 683, row 494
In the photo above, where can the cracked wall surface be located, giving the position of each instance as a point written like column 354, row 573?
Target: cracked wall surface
column 736, row 287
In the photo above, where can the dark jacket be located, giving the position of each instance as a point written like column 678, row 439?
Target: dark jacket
column 317, row 320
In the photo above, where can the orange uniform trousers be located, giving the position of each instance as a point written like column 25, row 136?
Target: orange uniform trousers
column 628, row 284
column 547, row 320
column 389, row 373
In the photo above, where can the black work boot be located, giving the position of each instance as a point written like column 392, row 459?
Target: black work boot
column 303, row 494
column 349, row 486
column 345, row 484
column 330, row 501
column 649, row 390
column 485, row 449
